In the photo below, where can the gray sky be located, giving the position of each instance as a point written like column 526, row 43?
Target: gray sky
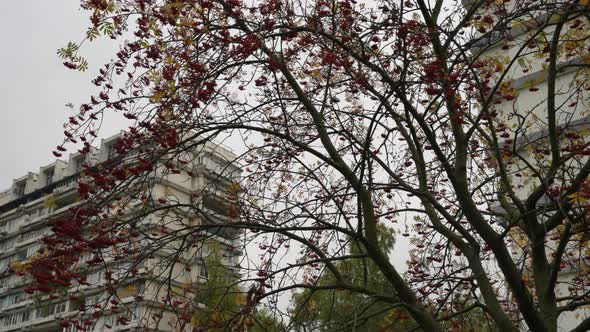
column 35, row 86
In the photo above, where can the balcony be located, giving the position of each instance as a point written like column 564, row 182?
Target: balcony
column 36, row 323
column 61, row 186
column 20, row 304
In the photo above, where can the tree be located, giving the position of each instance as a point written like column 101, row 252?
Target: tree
column 219, row 296
column 341, row 310
column 352, row 117
column 220, row 300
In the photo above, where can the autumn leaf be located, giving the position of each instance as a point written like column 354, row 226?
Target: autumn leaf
column 577, row 198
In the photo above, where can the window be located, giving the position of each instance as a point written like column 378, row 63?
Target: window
column 95, row 299
column 129, row 315
column 41, row 312
column 12, row 319
column 50, row 309
column 60, row 307
column 78, row 162
column 4, row 263
column 33, row 250
column 123, row 270
column 19, row 189
column 109, row 320
column 73, row 328
column 7, row 282
column 95, row 277
column 203, row 270
column 38, row 212
column 18, row 298
column 3, row 301
column 110, row 152
column 21, row 255
column 7, row 244
column 24, row 316
column 11, row 224
column 49, row 176
column 32, row 234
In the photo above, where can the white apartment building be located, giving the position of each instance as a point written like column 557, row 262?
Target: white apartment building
column 143, row 299
column 526, row 117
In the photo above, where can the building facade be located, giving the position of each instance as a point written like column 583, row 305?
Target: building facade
column 143, row 298
column 522, row 103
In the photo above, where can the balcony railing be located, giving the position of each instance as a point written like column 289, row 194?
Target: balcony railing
column 65, row 182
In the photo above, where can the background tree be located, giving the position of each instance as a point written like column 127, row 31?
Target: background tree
column 219, row 300
column 341, row 310
column 350, row 118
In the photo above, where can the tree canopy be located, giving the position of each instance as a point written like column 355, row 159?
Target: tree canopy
column 459, row 124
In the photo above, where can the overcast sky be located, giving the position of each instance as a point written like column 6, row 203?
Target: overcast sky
column 35, row 86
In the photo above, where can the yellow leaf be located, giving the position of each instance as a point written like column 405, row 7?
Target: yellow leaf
column 17, row 266
column 577, row 198
column 167, row 190
column 169, row 60
column 311, row 305
column 157, row 97
column 195, row 321
column 234, row 188
column 127, row 291
column 49, row 201
column 240, row 300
